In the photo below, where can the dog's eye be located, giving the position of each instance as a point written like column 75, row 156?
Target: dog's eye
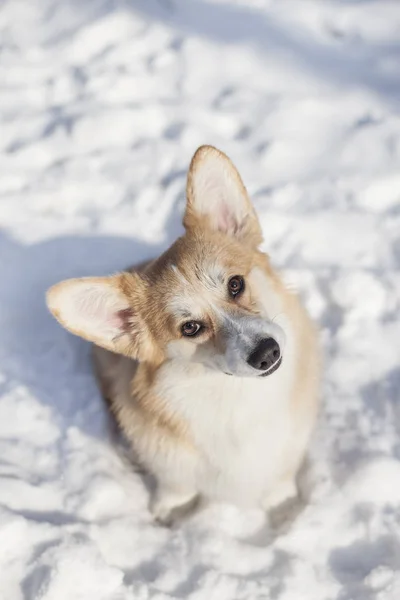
column 235, row 285
column 191, row 328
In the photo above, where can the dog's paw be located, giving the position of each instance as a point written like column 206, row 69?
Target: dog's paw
column 163, row 515
column 283, row 492
column 281, row 517
column 167, row 506
column 283, row 504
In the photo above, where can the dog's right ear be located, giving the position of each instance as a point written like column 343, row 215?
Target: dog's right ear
column 103, row 310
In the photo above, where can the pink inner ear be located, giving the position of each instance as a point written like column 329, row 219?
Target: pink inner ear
column 123, row 319
column 114, row 321
column 226, row 221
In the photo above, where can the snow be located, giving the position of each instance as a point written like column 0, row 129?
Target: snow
column 102, row 105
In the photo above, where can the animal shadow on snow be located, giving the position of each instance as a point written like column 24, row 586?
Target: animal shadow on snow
column 35, row 351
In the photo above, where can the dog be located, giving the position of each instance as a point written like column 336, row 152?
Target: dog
column 210, row 364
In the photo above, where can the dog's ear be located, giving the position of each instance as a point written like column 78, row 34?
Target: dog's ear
column 217, row 198
column 103, row 310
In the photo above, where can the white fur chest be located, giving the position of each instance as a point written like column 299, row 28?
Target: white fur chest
column 240, row 427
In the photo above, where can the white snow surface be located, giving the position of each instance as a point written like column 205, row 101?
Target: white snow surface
column 102, row 104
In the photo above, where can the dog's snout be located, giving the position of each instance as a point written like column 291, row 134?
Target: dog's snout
column 265, row 354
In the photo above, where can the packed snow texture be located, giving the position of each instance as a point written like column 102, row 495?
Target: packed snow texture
column 102, row 105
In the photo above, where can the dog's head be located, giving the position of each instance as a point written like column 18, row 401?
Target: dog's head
column 211, row 298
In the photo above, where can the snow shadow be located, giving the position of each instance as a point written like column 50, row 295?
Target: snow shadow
column 232, row 24
column 353, row 564
column 35, row 351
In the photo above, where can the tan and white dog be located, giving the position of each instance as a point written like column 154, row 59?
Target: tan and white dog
column 210, row 364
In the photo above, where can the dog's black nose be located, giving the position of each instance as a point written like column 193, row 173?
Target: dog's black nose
column 265, row 354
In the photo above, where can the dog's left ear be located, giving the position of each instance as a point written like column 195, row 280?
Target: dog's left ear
column 217, row 198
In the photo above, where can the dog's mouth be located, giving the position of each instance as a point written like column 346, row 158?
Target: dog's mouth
column 272, row 368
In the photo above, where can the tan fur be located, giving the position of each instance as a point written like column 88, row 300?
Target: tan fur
column 154, row 299
column 140, row 407
column 126, row 386
column 187, row 253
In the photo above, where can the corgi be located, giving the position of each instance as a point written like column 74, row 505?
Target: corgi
column 209, row 363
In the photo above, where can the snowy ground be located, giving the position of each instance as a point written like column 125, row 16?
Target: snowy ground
column 102, row 104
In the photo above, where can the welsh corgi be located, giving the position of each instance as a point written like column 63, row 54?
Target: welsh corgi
column 209, row 363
